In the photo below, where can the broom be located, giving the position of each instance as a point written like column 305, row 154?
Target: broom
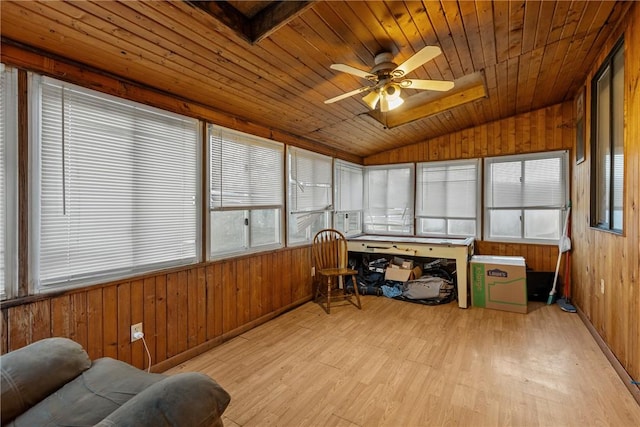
column 564, row 245
column 565, row 302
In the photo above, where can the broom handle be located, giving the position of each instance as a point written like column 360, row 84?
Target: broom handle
column 555, row 277
column 566, row 291
column 564, row 233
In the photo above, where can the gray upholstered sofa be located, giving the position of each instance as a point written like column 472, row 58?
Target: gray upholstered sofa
column 53, row 382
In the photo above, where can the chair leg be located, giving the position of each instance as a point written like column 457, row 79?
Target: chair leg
column 329, row 284
column 318, row 283
column 355, row 289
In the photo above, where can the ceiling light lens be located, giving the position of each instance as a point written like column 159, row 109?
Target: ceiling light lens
column 390, row 98
column 388, row 103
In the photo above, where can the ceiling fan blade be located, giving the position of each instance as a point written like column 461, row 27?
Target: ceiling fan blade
column 425, row 54
column 439, row 85
column 372, row 99
column 352, row 70
column 348, row 94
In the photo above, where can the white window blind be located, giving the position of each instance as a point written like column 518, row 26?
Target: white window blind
column 349, row 190
column 525, row 196
column 388, row 199
column 118, row 184
column 8, row 179
column 246, row 190
column 310, row 194
column 447, row 198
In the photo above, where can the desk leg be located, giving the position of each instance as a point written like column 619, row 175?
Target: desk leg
column 461, row 272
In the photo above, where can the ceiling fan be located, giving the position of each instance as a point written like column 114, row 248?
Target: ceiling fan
column 388, row 79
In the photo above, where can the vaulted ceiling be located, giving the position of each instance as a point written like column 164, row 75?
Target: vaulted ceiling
column 268, row 62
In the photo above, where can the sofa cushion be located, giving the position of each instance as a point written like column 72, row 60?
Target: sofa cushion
column 185, row 399
column 89, row 398
column 32, row 373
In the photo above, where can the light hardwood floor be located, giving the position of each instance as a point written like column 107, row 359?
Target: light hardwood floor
column 401, row 364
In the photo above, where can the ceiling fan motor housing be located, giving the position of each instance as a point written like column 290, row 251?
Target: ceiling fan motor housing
column 384, row 66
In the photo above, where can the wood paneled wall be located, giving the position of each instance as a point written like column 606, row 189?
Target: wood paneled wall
column 599, row 255
column 537, row 257
column 187, row 310
column 547, row 129
column 596, row 255
column 184, row 311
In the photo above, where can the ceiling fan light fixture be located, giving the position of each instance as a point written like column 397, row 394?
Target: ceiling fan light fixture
column 372, row 99
column 388, row 79
column 388, row 104
column 390, row 98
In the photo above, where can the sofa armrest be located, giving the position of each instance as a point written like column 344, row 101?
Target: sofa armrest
column 31, row 373
column 185, row 399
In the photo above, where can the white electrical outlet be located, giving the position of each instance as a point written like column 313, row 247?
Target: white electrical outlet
column 602, row 286
column 313, row 271
column 136, row 332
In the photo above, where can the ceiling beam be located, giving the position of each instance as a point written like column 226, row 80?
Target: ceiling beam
column 226, row 15
column 275, row 16
column 263, row 24
column 428, row 103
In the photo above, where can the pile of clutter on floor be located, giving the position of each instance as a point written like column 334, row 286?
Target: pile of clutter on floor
column 430, row 283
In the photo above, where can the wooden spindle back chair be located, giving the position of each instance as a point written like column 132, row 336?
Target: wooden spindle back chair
column 331, row 264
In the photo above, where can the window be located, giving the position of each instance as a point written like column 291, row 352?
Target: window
column 607, row 136
column 348, row 197
column 447, row 198
column 246, row 194
column 8, row 179
column 310, row 193
column 115, row 186
column 388, row 199
column 525, row 197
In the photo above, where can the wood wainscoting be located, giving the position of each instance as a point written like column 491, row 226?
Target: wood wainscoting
column 537, row 257
column 184, row 311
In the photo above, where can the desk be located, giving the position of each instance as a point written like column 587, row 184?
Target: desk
column 458, row 249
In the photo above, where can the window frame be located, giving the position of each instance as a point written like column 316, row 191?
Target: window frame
column 607, row 66
column 72, row 280
column 324, row 213
column 411, row 201
column 488, row 161
column 346, row 215
column 247, row 210
column 9, row 170
column 478, row 195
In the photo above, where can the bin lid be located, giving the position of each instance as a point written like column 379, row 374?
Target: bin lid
column 496, row 259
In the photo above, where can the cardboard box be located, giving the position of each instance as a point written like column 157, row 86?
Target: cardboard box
column 499, row 282
column 407, row 264
column 398, row 274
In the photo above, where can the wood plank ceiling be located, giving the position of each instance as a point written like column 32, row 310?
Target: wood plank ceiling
column 531, row 54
